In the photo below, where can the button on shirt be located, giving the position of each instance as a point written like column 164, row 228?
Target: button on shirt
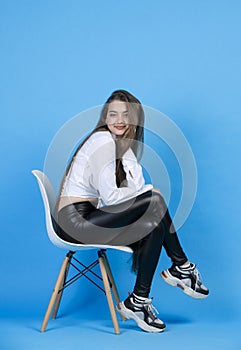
column 93, row 172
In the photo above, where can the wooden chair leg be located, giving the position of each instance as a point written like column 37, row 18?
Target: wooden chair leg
column 112, row 281
column 59, row 296
column 54, row 295
column 108, row 294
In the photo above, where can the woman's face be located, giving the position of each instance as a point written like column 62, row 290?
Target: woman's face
column 117, row 118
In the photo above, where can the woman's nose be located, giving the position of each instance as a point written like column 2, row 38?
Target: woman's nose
column 120, row 118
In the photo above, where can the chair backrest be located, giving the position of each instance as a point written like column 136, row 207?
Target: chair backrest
column 47, row 190
column 49, row 200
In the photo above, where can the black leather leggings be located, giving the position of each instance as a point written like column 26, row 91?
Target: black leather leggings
column 144, row 219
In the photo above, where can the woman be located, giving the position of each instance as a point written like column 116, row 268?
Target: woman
column 104, row 200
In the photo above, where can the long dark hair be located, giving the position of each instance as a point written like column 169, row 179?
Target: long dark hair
column 134, row 137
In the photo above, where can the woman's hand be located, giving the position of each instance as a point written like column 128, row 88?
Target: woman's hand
column 156, row 190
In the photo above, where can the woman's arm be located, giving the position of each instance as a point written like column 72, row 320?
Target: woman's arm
column 133, row 169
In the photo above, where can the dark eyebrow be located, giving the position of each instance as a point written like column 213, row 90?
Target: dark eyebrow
column 117, row 112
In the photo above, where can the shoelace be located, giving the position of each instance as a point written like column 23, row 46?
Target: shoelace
column 197, row 276
column 151, row 308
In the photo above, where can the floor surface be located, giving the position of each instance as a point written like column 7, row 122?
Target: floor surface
column 71, row 331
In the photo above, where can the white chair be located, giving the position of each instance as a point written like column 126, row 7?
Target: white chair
column 49, row 200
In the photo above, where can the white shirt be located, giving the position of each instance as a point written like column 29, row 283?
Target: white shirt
column 92, row 173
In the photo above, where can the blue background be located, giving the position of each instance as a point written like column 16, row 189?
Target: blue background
column 59, row 58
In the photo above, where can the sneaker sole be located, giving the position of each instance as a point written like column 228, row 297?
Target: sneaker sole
column 126, row 313
column 176, row 282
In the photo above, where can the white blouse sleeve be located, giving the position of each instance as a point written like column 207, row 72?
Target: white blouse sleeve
column 133, row 169
column 103, row 165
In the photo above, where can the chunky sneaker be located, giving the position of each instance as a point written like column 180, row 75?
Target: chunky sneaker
column 188, row 279
column 142, row 311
